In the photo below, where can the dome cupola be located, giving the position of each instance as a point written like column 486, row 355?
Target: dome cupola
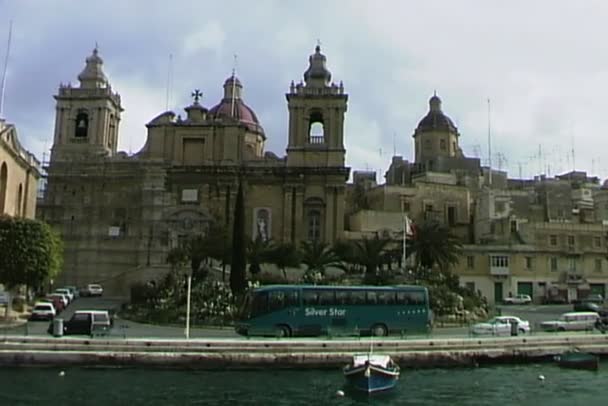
column 317, row 74
column 435, row 120
column 233, row 107
column 92, row 75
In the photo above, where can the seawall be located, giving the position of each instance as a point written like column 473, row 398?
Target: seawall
column 287, row 353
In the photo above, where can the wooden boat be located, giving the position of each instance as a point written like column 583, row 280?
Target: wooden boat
column 578, row 360
column 371, row 373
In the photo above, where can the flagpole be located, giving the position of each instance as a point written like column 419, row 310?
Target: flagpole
column 404, row 240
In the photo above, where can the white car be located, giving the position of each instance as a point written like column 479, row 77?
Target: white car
column 519, row 299
column 43, row 311
column 501, row 326
column 66, row 292
column 93, row 289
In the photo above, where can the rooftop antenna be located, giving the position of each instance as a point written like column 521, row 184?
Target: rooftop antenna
column 169, row 82
column 394, row 144
column 3, row 83
column 489, row 144
column 573, row 158
column 233, row 85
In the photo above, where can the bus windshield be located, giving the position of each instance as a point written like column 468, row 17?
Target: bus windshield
column 315, row 310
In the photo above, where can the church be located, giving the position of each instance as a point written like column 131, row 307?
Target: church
column 120, row 214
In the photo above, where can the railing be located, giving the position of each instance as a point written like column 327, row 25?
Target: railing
column 316, row 139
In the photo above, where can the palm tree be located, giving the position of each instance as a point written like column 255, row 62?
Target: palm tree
column 347, row 252
column 434, row 244
column 371, row 253
column 284, row 255
column 317, row 256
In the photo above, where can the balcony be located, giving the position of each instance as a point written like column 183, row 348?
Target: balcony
column 499, row 271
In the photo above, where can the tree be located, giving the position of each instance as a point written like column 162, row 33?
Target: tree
column 284, row 255
column 257, row 253
column 238, row 281
column 317, row 256
column 434, row 244
column 32, row 253
column 371, row 254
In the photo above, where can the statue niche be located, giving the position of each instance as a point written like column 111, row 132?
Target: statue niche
column 82, row 125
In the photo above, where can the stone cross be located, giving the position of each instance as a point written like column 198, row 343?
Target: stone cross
column 197, row 94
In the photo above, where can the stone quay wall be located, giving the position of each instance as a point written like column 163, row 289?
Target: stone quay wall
column 287, row 353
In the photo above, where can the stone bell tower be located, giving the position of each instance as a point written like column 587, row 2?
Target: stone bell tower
column 87, row 117
column 316, row 118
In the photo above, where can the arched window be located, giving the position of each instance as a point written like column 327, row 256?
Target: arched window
column 314, row 225
column 3, row 184
column 82, row 124
column 19, row 201
column 316, row 129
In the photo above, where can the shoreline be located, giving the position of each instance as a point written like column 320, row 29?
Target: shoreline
column 287, row 353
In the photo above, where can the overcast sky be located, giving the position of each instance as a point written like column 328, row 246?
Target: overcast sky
column 543, row 64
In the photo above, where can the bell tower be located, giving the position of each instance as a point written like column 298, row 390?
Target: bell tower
column 316, row 118
column 87, row 117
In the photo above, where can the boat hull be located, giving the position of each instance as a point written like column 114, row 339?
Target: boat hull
column 578, row 360
column 371, row 378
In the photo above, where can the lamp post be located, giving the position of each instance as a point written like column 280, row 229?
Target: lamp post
column 188, row 306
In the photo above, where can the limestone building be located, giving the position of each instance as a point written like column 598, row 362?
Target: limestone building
column 120, row 215
column 19, row 175
column 546, row 237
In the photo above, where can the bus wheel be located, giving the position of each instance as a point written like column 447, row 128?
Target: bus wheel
column 379, row 330
column 282, row 331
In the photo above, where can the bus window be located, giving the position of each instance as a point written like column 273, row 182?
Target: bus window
column 386, row 298
column 357, row 297
column 327, row 298
column 276, row 300
column 260, row 304
column 372, row 297
column 415, row 298
column 310, row 298
column 403, row 298
column 342, row 297
column 292, row 298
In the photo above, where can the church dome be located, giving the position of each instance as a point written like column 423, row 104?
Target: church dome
column 435, row 120
column 232, row 106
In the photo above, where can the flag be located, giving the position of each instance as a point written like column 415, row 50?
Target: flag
column 410, row 230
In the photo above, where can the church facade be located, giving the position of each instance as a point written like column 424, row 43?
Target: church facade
column 120, row 215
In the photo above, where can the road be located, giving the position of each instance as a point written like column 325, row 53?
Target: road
column 129, row 329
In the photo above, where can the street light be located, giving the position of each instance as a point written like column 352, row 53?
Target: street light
column 188, row 306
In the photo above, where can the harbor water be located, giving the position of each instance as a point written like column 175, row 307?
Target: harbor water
column 512, row 384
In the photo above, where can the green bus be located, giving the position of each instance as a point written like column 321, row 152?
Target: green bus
column 309, row 310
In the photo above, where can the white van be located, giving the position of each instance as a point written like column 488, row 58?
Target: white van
column 572, row 321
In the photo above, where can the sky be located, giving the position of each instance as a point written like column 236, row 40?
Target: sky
column 529, row 75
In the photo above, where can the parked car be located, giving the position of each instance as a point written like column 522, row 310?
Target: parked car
column 56, row 302
column 518, row 299
column 586, row 306
column 598, row 299
column 74, row 290
column 87, row 322
column 4, row 298
column 66, row 292
column 572, row 321
column 43, row 311
column 92, row 289
column 501, row 326
column 61, row 296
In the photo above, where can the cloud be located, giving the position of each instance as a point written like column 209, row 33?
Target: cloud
column 541, row 63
